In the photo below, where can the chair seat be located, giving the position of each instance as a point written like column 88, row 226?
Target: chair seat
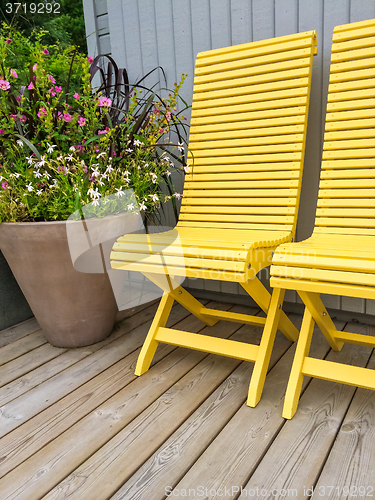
column 223, row 254
column 330, row 260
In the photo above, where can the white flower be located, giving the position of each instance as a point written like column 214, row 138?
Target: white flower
column 16, row 175
column 129, row 150
column 137, row 142
column 47, row 175
column 131, row 206
column 60, row 158
column 101, row 183
column 37, row 173
column 29, row 159
column 146, row 165
column 69, row 158
column 120, row 192
column 154, row 178
column 1, row 178
column 154, row 197
column 20, row 143
column 180, row 147
column 42, row 161
column 95, row 193
column 187, row 169
column 168, row 173
column 142, row 206
column 55, row 183
column 127, row 173
column 95, row 201
column 104, row 176
column 72, row 148
column 39, row 192
column 178, row 195
column 95, row 172
column 50, row 148
column 109, row 169
column 30, row 187
column 100, row 154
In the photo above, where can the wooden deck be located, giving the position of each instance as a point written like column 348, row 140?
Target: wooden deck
column 78, row 424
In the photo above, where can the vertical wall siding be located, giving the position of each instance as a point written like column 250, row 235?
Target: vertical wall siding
column 147, row 33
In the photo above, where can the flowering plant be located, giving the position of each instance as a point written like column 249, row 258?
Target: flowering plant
column 60, row 151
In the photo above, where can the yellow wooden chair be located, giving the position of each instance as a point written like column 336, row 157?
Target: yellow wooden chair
column 339, row 257
column 241, row 198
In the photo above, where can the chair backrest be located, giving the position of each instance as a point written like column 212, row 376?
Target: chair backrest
column 346, row 202
column 247, row 136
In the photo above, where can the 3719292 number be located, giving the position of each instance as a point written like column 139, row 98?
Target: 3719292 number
column 33, row 8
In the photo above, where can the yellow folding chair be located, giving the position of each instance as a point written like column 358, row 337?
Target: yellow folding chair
column 240, row 201
column 339, row 257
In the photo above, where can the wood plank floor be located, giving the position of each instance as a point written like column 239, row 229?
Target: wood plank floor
column 77, row 424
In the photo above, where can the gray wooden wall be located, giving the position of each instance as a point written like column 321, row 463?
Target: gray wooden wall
column 142, row 34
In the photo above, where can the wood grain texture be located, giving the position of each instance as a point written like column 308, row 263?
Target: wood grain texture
column 18, row 331
column 235, row 453
column 351, row 463
column 50, row 423
column 21, row 346
column 104, row 471
column 79, row 442
column 178, row 454
column 21, row 409
column 185, row 423
column 305, row 441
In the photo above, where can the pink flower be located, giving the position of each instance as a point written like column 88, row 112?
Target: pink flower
column 13, row 73
column 81, row 121
column 45, row 51
column 8, row 40
column 23, row 119
column 105, row 101
column 160, row 131
column 1, row 131
column 51, row 79
column 18, row 98
column 168, row 115
column 53, row 94
column 30, row 86
column 58, row 89
column 14, row 117
column 100, row 132
column 68, row 117
column 4, row 185
column 76, row 96
column 90, row 59
column 42, row 112
column 4, row 85
column 34, row 67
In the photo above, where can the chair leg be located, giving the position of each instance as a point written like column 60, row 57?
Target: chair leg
column 322, row 318
column 293, row 390
column 262, row 297
column 184, row 298
column 265, row 349
column 150, row 344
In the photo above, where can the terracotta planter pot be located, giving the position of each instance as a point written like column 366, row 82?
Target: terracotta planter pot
column 73, row 308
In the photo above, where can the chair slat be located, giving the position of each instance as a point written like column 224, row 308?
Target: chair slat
column 248, row 107
column 238, row 202
column 235, row 209
column 237, row 143
column 240, row 78
column 294, row 113
column 285, row 56
column 248, row 93
column 249, row 193
column 240, row 176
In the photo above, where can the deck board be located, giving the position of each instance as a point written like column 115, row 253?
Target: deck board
column 77, row 423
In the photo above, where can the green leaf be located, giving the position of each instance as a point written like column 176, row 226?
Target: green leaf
column 31, row 146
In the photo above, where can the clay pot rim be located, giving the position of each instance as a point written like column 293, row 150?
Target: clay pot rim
column 44, row 222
